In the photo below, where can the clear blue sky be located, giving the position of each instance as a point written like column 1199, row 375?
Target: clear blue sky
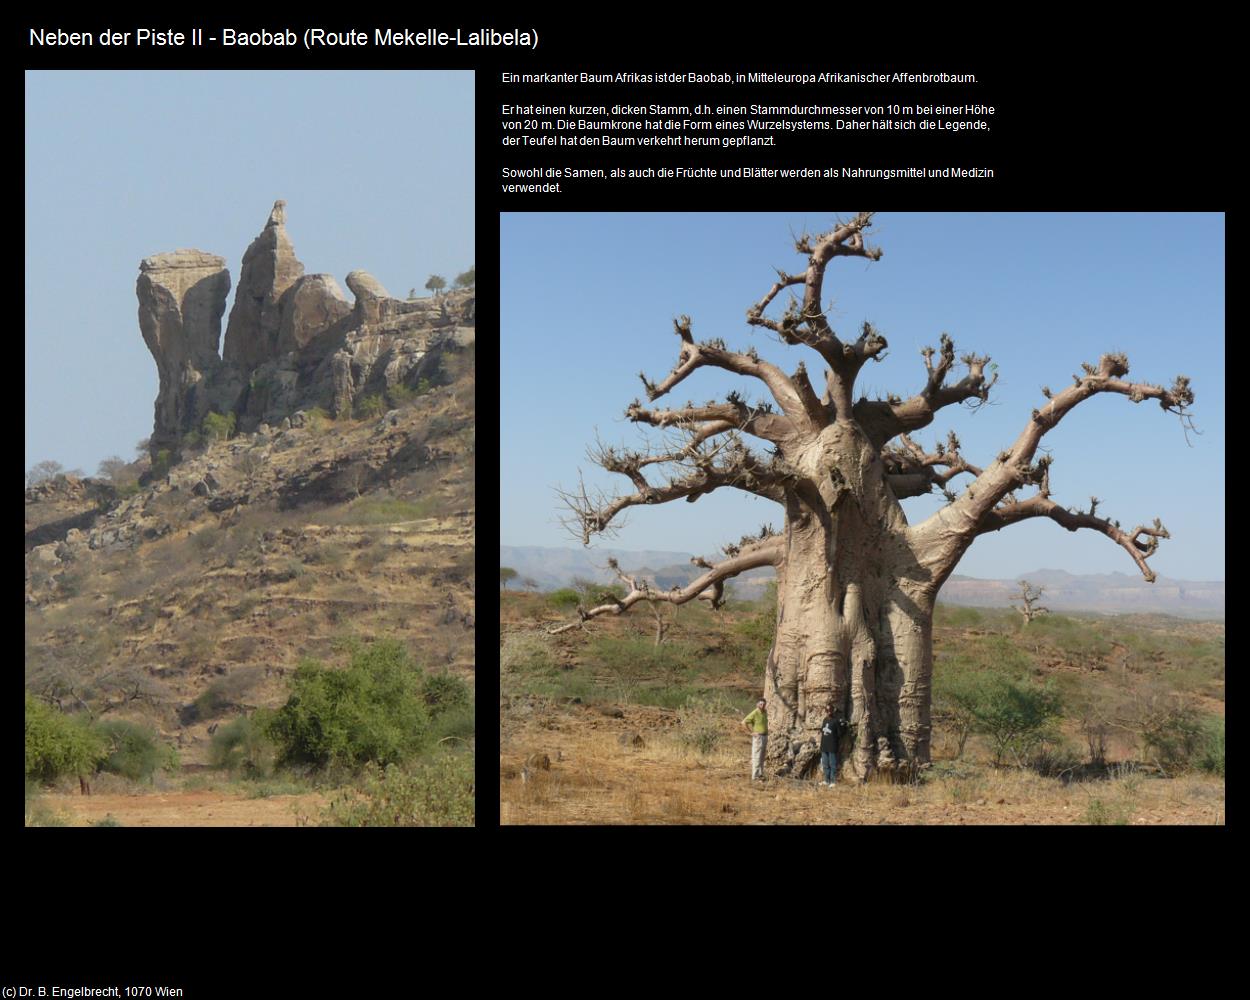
column 376, row 170
column 587, row 302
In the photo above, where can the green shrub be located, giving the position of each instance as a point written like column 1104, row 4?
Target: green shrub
column 217, row 427
column 400, row 395
column 58, row 745
column 956, row 698
column 957, row 617
column 242, row 747
column 133, row 750
column 1016, row 715
column 564, row 598
column 1100, row 813
column 1172, row 734
column 1211, row 756
column 369, row 407
column 438, row 792
column 162, row 462
column 445, row 692
column 370, row 710
column 316, row 419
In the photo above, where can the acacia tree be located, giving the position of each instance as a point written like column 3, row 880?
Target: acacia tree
column 856, row 583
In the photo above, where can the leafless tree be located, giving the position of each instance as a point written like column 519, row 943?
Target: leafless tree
column 856, row 583
column 1028, row 605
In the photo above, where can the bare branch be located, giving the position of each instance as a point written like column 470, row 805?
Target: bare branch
column 805, row 322
column 886, row 419
column 910, row 471
column 707, row 466
column 706, row 421
column 693, row 356
column 1140, row 543
column 1012, row 468
column 766, row 551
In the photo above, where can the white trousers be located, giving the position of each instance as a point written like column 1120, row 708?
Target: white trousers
column 759, row 742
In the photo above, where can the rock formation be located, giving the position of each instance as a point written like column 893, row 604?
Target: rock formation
column 292, row 342
column 270, row 267
column 182, row 296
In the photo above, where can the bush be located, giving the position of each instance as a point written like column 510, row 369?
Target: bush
column 564, row 598
column 243, row 748
column 1016, row 715
column 58, row 745
column 439, row 792
column 370, row 710
column 1211, row 756
column 399, row 395
column 316, row 419
column 702, row 723
column 217, row 427
column 445, row 692
column 134, row 751
column 369, row 407
column 956, row 698
column 1172, row 734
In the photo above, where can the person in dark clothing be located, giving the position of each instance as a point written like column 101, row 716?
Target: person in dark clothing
column 830, row 732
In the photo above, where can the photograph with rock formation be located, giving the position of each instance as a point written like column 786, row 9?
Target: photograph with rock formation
column 262, row 612
column 910, row 518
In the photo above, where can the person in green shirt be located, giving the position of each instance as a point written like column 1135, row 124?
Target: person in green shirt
column 757, row 725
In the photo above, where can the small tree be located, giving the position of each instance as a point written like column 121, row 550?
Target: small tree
column 467, row 279
column 506, row 575
column 59, row 744
column 436, row 284
column 1014, row 715
column 43, row 471
column 217, row 427
column 112, row 467
column 1028, row 605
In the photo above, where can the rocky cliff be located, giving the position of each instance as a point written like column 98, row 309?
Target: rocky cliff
column 293, row 341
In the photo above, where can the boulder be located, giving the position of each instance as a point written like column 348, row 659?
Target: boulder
column 371, row 297
column 309, row 308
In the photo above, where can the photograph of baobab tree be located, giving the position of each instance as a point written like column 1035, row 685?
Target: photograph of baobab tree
column 842, row 405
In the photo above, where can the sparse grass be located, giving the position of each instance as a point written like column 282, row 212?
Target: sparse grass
column 674, row 779
column 389, row 511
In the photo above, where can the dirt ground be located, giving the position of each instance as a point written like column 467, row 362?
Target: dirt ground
column 597, row 773
column 198, row 808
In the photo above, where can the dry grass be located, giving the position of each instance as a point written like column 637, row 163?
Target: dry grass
column 594, row 779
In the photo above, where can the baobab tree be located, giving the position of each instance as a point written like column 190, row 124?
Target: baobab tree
column 1028, row 605
column 856, row 583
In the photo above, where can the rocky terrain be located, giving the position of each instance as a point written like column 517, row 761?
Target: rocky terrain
column 340, row 505
column 292, row 341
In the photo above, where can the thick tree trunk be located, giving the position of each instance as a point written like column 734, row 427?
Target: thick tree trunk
column 854, row 625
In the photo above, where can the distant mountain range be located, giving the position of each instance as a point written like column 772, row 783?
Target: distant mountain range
column 1111, row 593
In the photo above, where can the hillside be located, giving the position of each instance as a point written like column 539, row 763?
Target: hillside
column 183, row 594
column 601, row 726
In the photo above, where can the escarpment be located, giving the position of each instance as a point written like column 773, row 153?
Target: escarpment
column 293, row 341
